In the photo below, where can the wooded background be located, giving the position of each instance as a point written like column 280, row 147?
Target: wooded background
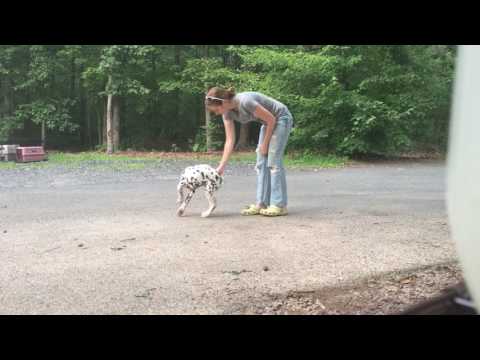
column 349, row 99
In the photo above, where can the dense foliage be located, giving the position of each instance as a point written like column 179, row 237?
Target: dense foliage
column 359, row 99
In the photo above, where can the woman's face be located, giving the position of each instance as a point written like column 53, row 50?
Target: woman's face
column 219, row 106
column 217, row 109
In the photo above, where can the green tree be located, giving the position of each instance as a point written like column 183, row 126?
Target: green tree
column 349, row 99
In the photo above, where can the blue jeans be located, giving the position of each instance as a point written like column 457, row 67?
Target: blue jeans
column 271, row 179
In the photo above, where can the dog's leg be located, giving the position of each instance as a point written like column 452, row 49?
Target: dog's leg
column 181, row 195
column 212, row 202
column 185, row 203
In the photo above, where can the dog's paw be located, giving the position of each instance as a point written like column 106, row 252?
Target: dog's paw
column 180, row 212
column 206, row 214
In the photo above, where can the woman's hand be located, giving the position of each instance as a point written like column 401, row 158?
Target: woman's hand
column 264, row 149
column 221, row 169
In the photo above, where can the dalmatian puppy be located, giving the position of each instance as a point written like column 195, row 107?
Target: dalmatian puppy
column 192, row 179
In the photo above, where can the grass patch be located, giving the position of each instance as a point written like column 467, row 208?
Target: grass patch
column 317, row 161
column 139, row 161
column 7, row 165
column 135, row 166
column 294, row 160
column 102, row 161
column 90, row 159
column 77, row 158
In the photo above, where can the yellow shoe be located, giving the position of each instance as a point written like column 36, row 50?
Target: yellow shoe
column 251, row 210
column 273, row 211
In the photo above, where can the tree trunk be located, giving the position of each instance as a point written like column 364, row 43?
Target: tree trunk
column 44, row 134
column 225, row 57
column 177, row 54
column 6, row 101
column 73, row 77
column 98, row 124
column 116, row 123
column 99, row 118
column 89, row 124
column 85, row 126
column 177, row 92
column 3, row 91
column 243, row 138
column 110, row 145
column 104, row 124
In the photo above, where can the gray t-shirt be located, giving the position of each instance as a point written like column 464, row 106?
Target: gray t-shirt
column 248, row 102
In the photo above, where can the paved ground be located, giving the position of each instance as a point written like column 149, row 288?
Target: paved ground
column 100, row 241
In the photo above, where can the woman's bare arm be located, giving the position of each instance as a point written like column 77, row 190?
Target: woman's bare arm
column 270, row 121
column 229, row 144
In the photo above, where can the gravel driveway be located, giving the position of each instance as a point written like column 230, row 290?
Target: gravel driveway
column 91, row 239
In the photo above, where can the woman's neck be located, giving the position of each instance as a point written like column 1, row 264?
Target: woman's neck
column 233, row 104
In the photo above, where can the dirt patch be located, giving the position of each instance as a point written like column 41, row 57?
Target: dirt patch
column 386, row 294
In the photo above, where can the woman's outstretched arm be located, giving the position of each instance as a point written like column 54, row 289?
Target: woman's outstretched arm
column 229, row 144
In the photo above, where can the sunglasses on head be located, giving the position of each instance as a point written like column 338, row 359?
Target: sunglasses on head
column 215, row 99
